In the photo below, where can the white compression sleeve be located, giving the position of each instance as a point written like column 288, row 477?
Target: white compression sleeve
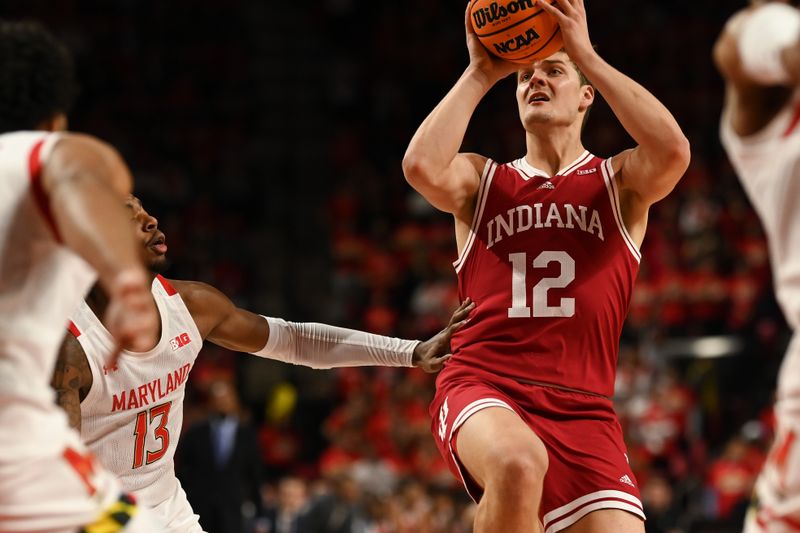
column 764, row 35
column 323, row 346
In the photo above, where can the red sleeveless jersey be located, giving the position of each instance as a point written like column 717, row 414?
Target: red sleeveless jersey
column 551, row 267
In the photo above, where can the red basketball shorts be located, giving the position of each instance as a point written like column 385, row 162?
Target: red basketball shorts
column 588, row 465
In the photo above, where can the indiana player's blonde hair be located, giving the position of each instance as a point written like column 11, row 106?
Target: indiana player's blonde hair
column 584, row 81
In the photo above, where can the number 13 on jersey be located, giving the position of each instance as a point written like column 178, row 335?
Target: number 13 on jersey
column 156, row 417
column 519, row 297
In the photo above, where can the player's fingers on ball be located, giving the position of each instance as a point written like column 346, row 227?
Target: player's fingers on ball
column 565, row 6
column 556, row 10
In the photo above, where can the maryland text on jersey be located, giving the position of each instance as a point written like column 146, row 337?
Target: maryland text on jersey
column 150, row 392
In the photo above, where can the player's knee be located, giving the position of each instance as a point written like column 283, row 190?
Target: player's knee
column 521, row 468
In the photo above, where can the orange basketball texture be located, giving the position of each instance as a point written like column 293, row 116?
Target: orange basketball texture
column 515, row 30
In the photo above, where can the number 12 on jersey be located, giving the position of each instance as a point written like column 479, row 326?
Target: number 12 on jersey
column 519, row 297
column 143, row 421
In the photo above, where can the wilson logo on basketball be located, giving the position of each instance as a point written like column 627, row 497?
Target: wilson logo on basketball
column 487, row 15
column 180, row 341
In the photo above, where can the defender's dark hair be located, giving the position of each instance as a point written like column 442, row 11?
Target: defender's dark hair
column 37, row 78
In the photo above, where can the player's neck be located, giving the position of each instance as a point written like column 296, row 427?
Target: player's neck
column 97, row 300
column 552, row 149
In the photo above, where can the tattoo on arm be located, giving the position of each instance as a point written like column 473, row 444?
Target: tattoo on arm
column 72, row 379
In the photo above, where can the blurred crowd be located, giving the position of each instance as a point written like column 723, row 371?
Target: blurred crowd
column 267, row 139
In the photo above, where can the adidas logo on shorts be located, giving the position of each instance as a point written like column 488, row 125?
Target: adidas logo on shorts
column 627, row 480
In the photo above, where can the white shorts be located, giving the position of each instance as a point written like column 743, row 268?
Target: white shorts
column 67, row 493
column 176, row 513
column 776, row 499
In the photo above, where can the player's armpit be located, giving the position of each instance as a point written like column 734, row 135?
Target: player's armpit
column 72, row 379
column 219, row 320
column 449, row 190
column 649, row 174
column 640, row 183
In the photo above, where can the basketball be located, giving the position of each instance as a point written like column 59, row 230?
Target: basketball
column 517, row 30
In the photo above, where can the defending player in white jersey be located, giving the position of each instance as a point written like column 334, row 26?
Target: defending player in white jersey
column 758, row 54
column 130, row 414
column 61, row 227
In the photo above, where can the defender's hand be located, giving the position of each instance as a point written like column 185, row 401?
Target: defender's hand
column 430, row 355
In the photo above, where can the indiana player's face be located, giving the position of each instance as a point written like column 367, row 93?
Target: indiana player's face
column 154, row 247
column 549, row 93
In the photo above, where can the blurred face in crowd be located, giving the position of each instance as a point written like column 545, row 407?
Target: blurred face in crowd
column 154, row 247
column 550, row 93
column 223, row 399
column 291, row 495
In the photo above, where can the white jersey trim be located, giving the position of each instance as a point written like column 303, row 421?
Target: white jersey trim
column 49, row 142
column 108, row 340
column 528, row 171
column 480, row 204
column 613, row 195
column 567, row 515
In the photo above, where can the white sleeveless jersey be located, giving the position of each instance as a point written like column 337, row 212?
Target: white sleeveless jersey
column 768, row 165
column 131, row 418
column 41, row 282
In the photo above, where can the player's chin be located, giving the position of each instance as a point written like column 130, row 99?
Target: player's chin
column 533, row 118
column 157, row 263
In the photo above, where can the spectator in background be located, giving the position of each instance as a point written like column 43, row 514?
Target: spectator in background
column 730, row 480
column 337, row 511
column 219, row 463
column 285, row 515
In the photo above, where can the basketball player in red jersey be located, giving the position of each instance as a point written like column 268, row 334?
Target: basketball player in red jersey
column 130, row 414
column 758, row 55
column 548, row 250
column 62, row 227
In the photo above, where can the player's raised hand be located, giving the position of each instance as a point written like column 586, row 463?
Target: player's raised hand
column 480, row 58
column 131, row 317
column 571, row 17
column 430, row 355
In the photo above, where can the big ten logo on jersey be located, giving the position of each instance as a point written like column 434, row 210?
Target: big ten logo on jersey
column 180, row 341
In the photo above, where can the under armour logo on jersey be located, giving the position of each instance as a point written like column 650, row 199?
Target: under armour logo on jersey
column 587, row 171
column 180, row 341
column 627, row 480
column 113, row 368
column 546, row 185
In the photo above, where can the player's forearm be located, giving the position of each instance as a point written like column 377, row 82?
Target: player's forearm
column 438, row 139
column 93, row 222
column 324, row 346
column 642, row 115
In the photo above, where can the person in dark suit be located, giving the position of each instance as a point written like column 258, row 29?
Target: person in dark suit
column 220, row 466
column 285, row 516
